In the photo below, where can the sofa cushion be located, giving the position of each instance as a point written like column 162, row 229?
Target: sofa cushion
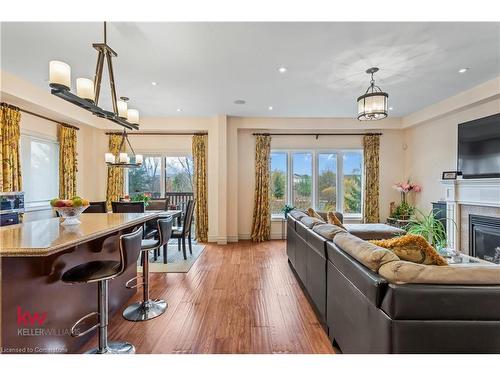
column 328, row 231
column 402, row 272
column 310, row 221
column 333, row 219
column 368, row 254
column 373, row 231
column 297, row 214
column 413, row 248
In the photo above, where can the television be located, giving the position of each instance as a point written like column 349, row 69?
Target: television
column 479, row 148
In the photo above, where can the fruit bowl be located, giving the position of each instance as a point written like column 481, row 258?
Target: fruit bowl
column 70, row 215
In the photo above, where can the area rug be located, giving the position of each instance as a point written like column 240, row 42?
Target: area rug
column 175, row 260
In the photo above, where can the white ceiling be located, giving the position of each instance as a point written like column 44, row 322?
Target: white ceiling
column 203, row 67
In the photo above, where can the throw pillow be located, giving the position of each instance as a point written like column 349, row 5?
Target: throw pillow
column 312, row 212
column 413, row 248
column 333, row 219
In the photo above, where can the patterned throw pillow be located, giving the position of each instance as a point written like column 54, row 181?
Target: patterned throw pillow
column 312, row 212
column 413, row 248
column 333, row 219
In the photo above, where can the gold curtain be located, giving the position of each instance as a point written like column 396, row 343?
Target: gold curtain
column 371, row 145
column 261, row 223
column 114, row 189
column 199, row 149
column 67, row 162
column 10, row 178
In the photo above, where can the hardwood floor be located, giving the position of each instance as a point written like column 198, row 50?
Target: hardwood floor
column 238, row 298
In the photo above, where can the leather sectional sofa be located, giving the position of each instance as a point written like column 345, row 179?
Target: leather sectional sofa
column 364, row 312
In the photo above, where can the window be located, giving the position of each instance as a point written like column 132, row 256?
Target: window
column 147, row 178
column 352, row 162
column 302, row 179
column 179, row 174
column 279, row 163
column 159, row 174
column 327, row 182
column 323, row 179
column 40, row 170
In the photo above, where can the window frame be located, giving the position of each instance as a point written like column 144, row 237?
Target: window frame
column 315, row 173
column 287, row 170
column 33, row 136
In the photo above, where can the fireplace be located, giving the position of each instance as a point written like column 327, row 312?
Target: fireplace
column 484, row 237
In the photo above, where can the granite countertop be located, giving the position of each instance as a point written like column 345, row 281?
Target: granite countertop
column 46, row 237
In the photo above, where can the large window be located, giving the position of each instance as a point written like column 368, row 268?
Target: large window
column 160, row 174
column 278, row 182
column 147, row 178
column 40, row 170
column 323, row 179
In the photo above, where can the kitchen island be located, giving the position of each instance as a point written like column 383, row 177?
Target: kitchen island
column 38, row 309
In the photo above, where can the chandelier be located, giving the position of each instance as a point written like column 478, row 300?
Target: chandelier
column 123, row 160
column 87, row 91
column 373, row 104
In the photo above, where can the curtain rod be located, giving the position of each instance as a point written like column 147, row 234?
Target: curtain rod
column 317, row 134
column 37, row 115
column 158, row 133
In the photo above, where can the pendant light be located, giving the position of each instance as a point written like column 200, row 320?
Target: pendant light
column 373, row 104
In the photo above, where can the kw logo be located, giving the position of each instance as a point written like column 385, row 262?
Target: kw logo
column 25, row 318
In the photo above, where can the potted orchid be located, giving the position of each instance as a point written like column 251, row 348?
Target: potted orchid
column 405, row 210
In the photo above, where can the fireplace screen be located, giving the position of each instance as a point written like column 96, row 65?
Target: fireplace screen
column 484, row 238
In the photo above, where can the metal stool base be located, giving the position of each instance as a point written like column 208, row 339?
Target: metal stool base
column 141, row 311
column 114, row 347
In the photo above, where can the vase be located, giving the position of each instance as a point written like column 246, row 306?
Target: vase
column 403, row 197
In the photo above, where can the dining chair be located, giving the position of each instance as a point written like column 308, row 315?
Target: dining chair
column 127, row 207
column 185, row 230
column 96, row 207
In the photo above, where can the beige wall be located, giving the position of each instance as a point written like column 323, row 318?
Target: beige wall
column 432, row 149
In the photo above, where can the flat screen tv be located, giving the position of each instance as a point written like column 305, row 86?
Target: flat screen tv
column 479, row 148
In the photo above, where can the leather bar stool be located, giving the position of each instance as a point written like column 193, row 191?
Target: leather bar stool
column 148, row 308
column 100, row 272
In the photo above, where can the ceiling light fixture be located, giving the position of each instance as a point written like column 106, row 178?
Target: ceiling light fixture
column 282, row 69
column 391, row 108
column 179, row 109
column 123, row 160
column 463, row 70
column 239, row 101
column 372, row 105
column 270, row 108
column 154, row 83
column 87, row 90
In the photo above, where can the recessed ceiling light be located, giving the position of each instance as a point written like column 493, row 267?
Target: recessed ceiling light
column 282, row 69
column 270, row 108
column 179, row 109
column 239, row 101
column 463, row 70
column 154, row 83
column 390, row 108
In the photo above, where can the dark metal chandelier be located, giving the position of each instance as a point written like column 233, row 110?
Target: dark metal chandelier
column 87, row 91
column 373, row 105
column 123, row 160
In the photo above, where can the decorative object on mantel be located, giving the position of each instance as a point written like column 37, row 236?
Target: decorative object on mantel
column 373, row 104
column 449, row 175
column 87, row 91
column 122, row 160
column 70, row 209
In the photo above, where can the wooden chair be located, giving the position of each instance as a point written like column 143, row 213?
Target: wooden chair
column 96, row 207
column 127, row 207
column 157, row 205
column 185, row 230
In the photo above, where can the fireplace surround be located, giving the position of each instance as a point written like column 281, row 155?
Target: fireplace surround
column 466, row 198
column 484, row 238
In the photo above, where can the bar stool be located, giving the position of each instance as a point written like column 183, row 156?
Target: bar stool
column 101, row 271
column 148, row 308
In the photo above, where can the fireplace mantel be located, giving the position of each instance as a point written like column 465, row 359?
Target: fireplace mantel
column 475, row 192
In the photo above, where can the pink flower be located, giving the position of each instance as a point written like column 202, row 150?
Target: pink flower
column 417, row 188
